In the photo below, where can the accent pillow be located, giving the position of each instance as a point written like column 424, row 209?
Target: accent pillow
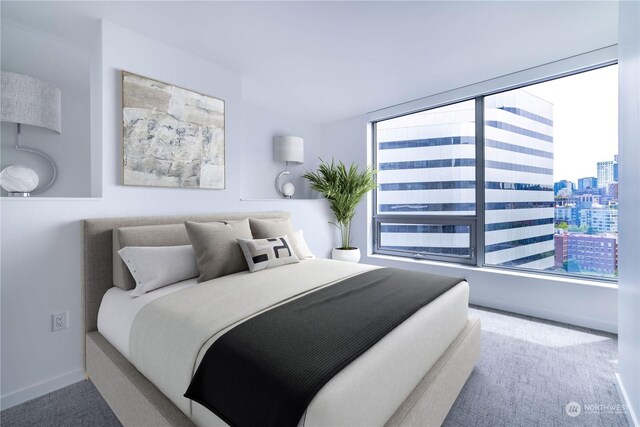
column 217, row 249
column 264, row 228
column 155, row 267
column 300, row 246
column 267, row 253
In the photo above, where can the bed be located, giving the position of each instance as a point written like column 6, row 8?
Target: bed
column 410, row 377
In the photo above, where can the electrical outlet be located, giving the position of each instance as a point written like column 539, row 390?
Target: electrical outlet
column 60, row 321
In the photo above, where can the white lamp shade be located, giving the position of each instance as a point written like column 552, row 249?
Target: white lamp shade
column 18, row 178
column 30, row 101
column 288, row 149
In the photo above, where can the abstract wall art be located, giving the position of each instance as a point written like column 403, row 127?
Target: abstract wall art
column 172, row 137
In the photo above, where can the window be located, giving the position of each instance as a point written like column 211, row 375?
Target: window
column 547, row 157
column 426, row 165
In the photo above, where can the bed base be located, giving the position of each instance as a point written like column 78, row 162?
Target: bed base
column 137, row 402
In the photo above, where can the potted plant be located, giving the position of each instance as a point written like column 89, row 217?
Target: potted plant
column 344, row 188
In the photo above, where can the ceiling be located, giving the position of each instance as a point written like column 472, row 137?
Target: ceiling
column 327, row 61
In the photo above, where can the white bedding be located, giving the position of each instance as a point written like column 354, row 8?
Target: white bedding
column 367, row 392
column 118, row 309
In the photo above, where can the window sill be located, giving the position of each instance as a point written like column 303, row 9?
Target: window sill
column 50, row 199
column 499, row 271
column 281, row 199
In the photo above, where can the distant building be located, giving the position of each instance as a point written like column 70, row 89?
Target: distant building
column 589, row 253
column 587, row 183
column 566, row 213
column 563, row 185
column 612, row 190
column 605, row 173
column 585, row 200
column 599, row 219
column 561, row 242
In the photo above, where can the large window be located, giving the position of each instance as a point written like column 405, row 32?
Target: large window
column 546, row 155
column 426, row 165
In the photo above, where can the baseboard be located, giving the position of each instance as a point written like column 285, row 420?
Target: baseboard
column 631, row 416
column 15, row 398
column 585, row 322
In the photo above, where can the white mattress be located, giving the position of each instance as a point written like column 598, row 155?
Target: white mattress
column 367, row 392
column 118, row 309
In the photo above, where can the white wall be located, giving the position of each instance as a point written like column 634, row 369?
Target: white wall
column 259, row 126
column 629, row 221
column 41, row 239
column 26, row 51
column 581, row 303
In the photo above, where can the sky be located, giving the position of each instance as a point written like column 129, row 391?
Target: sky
column 585, row 120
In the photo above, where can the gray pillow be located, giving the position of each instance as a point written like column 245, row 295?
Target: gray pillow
column 144, row 235
column 267, row 253
column 156, row 266
column 263, row 228
column 217, row 248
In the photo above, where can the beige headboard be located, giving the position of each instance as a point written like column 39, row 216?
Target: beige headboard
column 98, row 250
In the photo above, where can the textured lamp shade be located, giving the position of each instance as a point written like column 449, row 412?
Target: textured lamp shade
column 30, row 101
column 288, row 149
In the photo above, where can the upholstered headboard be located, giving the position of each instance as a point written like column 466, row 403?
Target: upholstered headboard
column 98, row 250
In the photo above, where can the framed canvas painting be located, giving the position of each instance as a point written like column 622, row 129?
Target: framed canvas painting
column 172, row 137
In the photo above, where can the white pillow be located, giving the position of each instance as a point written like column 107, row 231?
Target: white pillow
column 267, row 253
column 300, row 246
column 153, row 267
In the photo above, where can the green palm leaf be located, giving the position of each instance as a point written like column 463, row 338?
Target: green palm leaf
column 344, row 188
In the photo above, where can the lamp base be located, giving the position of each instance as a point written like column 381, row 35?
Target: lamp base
column 17, row 194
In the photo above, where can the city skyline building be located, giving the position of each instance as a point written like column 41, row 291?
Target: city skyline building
column 564, row 184
column 587, row 253
column 587, row 183
column 606, row 173
column 568, row 214
column 585, row 200
column 561, row 245
column 599, row 219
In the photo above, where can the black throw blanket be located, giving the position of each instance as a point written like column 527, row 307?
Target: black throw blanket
column 266, row 371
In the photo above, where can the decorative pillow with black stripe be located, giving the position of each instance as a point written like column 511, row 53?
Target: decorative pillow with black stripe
column 267, row 253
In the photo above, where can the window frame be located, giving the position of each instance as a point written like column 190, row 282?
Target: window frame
column 477, row 221
column 442, row 219
column 431, row 220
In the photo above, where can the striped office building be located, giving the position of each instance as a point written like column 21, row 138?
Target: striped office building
column 426, row 164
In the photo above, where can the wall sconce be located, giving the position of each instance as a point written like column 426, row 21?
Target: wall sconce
column 288, row 149
column 28, row 101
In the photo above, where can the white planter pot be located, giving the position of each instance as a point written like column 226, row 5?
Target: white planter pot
column 348, row 255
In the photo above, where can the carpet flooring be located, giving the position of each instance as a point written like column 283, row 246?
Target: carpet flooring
column 78, row 405
column 529, row 370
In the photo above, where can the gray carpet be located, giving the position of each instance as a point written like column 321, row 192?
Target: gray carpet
column 528, row 371
column 79, row 404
